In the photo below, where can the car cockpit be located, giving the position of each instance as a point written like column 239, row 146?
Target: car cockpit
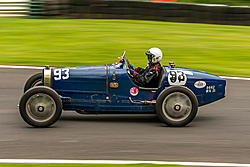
column 123, row 63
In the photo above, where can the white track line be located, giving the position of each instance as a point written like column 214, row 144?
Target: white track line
column 22, row 67
column 43, row 161
column 13, row 1
column 39, row 68
column 236, row 78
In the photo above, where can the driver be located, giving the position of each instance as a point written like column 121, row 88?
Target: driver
column 149, row 76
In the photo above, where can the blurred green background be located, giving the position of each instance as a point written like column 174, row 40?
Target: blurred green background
column 218, row 49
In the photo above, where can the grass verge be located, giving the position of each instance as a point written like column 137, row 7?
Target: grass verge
column 218, row 49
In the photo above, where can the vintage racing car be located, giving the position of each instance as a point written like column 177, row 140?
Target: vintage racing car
column 110, row 89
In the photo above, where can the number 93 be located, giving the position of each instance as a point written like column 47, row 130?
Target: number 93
column 61, row 74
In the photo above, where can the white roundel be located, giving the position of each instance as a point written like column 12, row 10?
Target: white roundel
column 176, row 77
column 200, row 84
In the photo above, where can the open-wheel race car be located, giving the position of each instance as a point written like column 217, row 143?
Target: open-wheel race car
column 111, row 89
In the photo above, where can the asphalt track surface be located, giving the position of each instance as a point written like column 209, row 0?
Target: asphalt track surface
column 219, row 133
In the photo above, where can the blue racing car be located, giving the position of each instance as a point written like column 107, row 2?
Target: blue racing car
column 111, row 89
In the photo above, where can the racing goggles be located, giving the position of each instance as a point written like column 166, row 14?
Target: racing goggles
column 150, row 55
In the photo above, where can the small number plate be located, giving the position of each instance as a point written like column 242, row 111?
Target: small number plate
column 113, row 85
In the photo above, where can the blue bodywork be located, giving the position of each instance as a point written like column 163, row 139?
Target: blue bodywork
column 88, row 88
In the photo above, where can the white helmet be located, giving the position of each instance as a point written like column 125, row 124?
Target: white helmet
column 154, row 54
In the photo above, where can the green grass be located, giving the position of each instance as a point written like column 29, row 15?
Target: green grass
column 84, row 165
column 217, row 49
column 225, row 2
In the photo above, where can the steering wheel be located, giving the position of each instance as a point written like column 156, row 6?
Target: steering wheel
column 121, row 59
column 127, row 63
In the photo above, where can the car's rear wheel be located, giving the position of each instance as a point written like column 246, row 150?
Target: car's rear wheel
column 40, row 106
column 177, row 106
column 35, row 80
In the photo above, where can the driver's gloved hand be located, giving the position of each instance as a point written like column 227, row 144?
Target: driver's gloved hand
column 131, row 66
column 132, row 72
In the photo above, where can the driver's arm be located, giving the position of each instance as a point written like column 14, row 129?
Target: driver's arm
column 139, row 70
column 136, row 69
column 145, row 79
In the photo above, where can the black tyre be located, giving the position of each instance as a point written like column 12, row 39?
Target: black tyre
column 40, row 106
column 176, row 106
column 35, row 80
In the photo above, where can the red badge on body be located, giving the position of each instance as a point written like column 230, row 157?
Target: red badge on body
column 134, row 91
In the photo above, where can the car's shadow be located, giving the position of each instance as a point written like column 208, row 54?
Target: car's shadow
column 111, row 118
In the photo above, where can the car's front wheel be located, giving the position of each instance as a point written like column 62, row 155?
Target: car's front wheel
column 177, row 106
column 34, row 80
column 40, row 106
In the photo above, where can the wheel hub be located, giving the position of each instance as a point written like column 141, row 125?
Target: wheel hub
column 177, row 107
column 40, row 108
